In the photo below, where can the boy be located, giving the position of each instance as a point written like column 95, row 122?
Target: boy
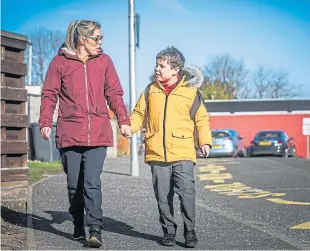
column 171, row 108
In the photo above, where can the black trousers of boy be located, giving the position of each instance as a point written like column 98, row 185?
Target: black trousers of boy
column 83, row 166
column 169, row 178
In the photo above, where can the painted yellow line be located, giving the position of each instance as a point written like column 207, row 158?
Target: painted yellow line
column 236, row 188
column 215, row 176
column 211, row 169
column 260, row 194
column 241, row 190
column 224, row 187
column 303, row 226
column 219, row 181
column 288, row 202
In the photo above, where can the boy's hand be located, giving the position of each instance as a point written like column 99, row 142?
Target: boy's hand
column 205, row 150
column 126, row 131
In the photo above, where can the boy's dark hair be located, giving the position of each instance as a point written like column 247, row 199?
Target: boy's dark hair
column 173, row 56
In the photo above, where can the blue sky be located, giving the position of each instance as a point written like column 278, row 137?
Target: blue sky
column 272, row 33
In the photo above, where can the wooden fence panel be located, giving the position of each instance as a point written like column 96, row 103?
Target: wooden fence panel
column 14, row 121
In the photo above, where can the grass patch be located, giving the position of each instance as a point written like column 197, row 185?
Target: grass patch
column 37, row 170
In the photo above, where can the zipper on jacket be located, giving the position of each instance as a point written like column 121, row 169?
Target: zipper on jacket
column 164, row 129
column 87, row 103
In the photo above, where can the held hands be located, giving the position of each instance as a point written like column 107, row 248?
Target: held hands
column 205, row 150
column 46, row 133
column 126, row 131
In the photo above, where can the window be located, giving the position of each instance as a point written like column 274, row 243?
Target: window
column 220, row 135
column 269, row 135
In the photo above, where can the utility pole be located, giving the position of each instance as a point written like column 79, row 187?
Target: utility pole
column 134, row 164
column 29, row 62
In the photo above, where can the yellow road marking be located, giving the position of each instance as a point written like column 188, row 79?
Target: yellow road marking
column 211, row 169
column 236, row 188
column 219, row 181
column 241, row 190
column 288, row 202
column 218, row 188
column 216, row 177
column 260, row 194
column 303, row 226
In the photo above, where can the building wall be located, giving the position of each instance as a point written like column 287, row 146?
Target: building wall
column 248, row 124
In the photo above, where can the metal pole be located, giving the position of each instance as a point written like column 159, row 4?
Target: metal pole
column 134, row 165
column 30, row 63
column 307, row 146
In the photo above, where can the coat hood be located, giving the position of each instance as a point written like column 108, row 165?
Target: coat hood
column 64, row 50
column 193, row 76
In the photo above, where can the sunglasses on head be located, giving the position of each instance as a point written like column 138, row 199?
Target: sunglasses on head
column 96, row 38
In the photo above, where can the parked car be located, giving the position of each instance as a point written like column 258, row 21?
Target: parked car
column 272, row 143
column 227, row 142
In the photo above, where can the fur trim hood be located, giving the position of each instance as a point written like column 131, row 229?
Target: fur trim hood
column 193, row 76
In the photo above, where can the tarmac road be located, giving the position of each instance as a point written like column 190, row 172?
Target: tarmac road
column 242, row 203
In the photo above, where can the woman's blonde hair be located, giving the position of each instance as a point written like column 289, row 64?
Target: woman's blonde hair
column 79, row 29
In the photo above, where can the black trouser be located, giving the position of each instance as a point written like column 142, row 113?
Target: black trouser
column 83, row 166
column 170, row 178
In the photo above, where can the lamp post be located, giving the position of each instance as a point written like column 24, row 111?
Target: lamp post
column 134, row 164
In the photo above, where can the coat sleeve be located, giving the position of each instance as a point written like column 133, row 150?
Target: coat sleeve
column 138, row 114
column 202, row 124
column 50, row 93
column 114, row 94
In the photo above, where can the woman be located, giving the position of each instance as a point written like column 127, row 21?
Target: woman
column 84, row 80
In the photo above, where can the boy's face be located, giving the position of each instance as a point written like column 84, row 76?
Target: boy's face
column 163, row 71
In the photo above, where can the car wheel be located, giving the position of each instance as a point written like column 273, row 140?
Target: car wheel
column 244, row 153
column 249, row 153
column 285, row 153
column 236, row 154
column 294, row 154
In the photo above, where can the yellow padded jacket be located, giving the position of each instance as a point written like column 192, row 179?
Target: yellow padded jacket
column 169, row 134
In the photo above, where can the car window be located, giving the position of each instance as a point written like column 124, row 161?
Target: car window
column 285, row 136
column 236, row 134
column 233, row 133
column 220, row 135
column 268, row 135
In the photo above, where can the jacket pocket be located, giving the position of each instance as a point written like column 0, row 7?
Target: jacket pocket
column 102, row 110
column 182, row 143
column 71, row 112
column 153, row 145
column 182, row 135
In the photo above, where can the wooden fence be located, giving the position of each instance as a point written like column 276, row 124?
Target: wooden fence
column 14, row 121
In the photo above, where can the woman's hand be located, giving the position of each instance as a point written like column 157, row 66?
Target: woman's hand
column 46, row 133
column 126, row 131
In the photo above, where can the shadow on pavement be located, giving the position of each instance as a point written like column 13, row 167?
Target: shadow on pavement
column 42, row 224
column 39, row 223
column 115, row 226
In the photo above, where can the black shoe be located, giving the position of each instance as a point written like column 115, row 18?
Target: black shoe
column 79, row 233
column 168, row 240
column 190, row 239
column 95, row 239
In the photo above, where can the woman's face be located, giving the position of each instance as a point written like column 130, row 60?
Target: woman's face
column 93, row 43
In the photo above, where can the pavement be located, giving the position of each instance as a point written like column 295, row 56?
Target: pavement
column 227, row 217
